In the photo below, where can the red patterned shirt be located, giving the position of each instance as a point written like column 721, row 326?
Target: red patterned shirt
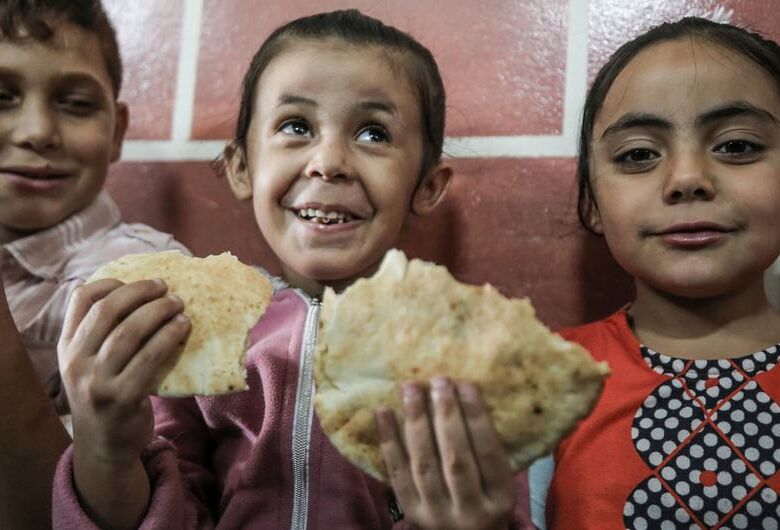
column 672, row 443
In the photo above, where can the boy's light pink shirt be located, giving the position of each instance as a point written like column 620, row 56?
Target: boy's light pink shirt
column 42, row 270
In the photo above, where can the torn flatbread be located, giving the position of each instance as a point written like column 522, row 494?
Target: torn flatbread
column 412, row 321
column 223, row 299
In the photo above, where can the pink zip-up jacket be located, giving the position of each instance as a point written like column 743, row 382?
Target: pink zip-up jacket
column 256, row 459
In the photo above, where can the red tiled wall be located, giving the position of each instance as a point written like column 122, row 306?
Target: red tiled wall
column 509, row 221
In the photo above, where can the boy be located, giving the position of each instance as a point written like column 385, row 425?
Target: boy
column 60, row 127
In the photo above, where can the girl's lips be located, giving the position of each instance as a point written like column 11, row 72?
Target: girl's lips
column 692, row 240
column 693, row 235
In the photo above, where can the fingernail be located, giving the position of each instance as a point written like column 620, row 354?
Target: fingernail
column 440, row 386
column 442, row 395
column 181, row 317
column 176, row 299
column 384, row 421
column 160, row 282
column 469, row 399
column 412, row 399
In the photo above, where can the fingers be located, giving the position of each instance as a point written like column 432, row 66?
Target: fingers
column 106, row 313
column 126, row 339
column 146, row 367
column 81, row 301
column 459, row 467
column 396, row 459
column 488, row 450
column 421, row 444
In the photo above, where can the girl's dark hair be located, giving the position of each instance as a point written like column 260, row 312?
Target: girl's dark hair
column 36, row 19
column 763, row 52
column 352, row 27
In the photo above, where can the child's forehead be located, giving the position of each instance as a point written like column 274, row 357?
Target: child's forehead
column 679, row 74
column 338, row 51
column 318, row 67
column 68, row 50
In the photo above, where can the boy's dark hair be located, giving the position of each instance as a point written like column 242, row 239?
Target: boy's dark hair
column 37, row 19
column 352, row 27
column 761, row 51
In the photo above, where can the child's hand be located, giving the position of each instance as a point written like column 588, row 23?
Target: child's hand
column 453, row 472
column 114, row 342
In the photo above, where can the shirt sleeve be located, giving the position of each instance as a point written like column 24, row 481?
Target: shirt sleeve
column 168, row 506
column 539, row 478
column 182, row 485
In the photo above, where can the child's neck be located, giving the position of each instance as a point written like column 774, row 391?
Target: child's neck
column 727, row 326
column 311, row 287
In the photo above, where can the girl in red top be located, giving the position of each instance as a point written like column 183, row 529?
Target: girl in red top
column 679, row 169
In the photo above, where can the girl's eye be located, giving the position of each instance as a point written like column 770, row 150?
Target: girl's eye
column 641, row 156
column 7, row 96
column 373, row 134
column 737, row 148
column 295, row 128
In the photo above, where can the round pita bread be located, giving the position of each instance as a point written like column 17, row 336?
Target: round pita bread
column 223, row 299
column 413, row 321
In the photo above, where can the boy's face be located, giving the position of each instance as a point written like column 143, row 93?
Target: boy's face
column 335, row 154
column 60, row 128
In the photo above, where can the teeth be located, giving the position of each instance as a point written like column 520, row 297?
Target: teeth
column 323, row 217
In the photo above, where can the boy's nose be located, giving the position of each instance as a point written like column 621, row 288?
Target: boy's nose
column 36, row 127
column 329, row 161
column 688, row 179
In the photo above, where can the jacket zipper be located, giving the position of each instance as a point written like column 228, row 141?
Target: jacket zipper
column 302, row 419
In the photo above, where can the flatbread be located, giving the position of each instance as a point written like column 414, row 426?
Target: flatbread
column 412, row 321
column 222, row 297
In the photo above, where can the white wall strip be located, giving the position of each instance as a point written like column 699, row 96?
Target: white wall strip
column 168, row 151
column 576, row 68
column 181, row 148
column 464, row 147
column 187, row 72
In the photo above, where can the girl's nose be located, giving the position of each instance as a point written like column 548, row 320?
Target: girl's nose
column 688, row 179
column 36, row 127
column 329, row 161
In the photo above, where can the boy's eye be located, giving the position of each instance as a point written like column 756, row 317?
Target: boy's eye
column 295, row 128
column 77, row 105
column 373, row 134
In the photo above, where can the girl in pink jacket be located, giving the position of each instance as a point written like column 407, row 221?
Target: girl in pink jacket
column 339, row 138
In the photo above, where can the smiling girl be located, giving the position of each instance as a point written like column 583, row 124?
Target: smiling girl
column 679, row 170
column 338, row 140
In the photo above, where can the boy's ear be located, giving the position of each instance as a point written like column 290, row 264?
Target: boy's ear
column 236, row 171
column 120, row 128
column 431, row 189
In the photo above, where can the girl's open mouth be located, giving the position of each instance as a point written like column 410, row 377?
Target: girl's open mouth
column 322, row 217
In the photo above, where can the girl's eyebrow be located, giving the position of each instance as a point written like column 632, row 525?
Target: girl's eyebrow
column 291, row 99
column 727, row 110
column 372, row 105
column 381, row 106
column 732, row 109
column 631, row 120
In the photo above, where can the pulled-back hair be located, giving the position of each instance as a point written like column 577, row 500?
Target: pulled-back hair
column 36, row 19
column 352, row 27
column 761, row 51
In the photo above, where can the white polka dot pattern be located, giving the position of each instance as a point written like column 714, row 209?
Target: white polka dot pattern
column 711, row 438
